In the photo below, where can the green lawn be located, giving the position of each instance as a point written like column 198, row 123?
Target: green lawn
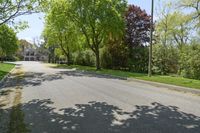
column 5, row 68
column 179, row 81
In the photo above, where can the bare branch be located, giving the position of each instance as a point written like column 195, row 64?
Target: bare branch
column 10, row 9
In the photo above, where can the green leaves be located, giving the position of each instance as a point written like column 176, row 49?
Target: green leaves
column 97, row 20
column 194, row 7
column 8, row 41
column 21, row 25
column 60, row 31
column 189, row 61
column 173, row 27
column 10, row 9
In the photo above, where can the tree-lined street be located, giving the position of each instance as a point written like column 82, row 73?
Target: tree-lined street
column 60, row 100
column 99, row 66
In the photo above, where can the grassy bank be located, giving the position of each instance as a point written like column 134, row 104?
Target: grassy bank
column 5, row 69
column 179, row 81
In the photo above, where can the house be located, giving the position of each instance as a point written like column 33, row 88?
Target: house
column 31, row 52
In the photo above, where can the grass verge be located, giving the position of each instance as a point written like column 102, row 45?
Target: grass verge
column 5, row 69
column 179, row 81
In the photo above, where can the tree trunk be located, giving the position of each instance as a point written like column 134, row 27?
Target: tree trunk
column 53, row 56
column 68, row 59
column 49, row 59
column 68, row 54
column 1, row 56
column 97, row 59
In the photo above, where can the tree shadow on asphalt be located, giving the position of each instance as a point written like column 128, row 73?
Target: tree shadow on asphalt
column 36, row 79
column 4, row 113
column 29, row 79
column 100, row 117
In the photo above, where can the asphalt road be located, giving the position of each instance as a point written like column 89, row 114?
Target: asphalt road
column 70, row 101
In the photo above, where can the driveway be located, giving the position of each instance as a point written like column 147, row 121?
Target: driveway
column 49, row 100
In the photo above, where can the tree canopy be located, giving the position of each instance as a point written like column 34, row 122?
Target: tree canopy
column 8, row 41
column 137, row 26
column 10, row 9
column 59, row 30
column 194, row 6
column 98, row 20
column 117, row 34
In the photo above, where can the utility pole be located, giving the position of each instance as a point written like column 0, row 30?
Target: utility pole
column 151, row 40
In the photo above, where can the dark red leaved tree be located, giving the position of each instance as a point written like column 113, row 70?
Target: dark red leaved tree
column 137, row 35
column 137, row 26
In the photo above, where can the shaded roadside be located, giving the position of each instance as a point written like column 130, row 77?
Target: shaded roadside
column 16, row 123
column 123, row 75
column 165, row 80
column 91, row 116
column 11, row 115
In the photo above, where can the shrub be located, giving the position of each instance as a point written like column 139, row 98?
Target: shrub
column 114, row 55
column 85, row 58
column 138, row 59
column 189, row 61
column 165, row 59
column 106, row 59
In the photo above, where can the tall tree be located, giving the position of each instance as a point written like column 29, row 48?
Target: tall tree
column 173, row 32
column 173, row 27
column 59, row 30
column 8, row 41
column 98, row 20
column 137, row 35
column 137, row 26
column 180, row 28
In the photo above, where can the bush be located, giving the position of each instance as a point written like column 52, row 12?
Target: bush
column 165, row 59
column 85, row 58
column 138, row 59
column 10, row 58
column 106, row 59
column 114, row 55
column 190, row 61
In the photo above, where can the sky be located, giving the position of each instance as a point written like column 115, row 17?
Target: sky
column 36, row 21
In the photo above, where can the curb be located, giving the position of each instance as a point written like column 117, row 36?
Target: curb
column 156, row 84
column 103, row 75
column 168, row 86
column 6, row 76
